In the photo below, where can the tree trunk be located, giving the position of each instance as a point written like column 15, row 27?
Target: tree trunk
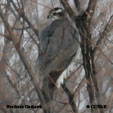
column 88, row 61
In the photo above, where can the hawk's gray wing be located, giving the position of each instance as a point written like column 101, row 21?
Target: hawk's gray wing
column 48, row 33
column 58, row 44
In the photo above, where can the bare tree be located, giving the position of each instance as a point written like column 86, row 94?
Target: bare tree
column 21, row 23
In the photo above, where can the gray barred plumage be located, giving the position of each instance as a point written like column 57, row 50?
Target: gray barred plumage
column 58, row 46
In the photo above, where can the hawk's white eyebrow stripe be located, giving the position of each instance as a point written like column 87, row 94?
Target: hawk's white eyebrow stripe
column 59, row 11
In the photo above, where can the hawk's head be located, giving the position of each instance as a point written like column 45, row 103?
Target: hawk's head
column 59, row 12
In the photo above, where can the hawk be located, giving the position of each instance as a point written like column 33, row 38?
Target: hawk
column 58, row 46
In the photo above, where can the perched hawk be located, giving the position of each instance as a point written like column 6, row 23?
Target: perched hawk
column 58, row 46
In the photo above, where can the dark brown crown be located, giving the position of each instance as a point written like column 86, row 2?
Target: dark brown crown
column 56, row 12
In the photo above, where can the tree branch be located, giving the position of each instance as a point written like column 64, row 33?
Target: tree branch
column 90, row 9
column 31, row 72
column 21, row 14
column 77, row 4
column 102, row 36
column 71, row 98
column 68, row 9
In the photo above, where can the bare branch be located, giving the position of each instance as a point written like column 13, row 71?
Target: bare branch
column 71, row 98
column 31, row 72
column 106, row 30
column 25, row 28
column 90, row 9
column 68, row 9
column 77, row 4
column 105, row 56
column 21, row 14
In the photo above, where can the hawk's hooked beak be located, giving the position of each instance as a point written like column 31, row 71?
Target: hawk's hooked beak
column 48, row 16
